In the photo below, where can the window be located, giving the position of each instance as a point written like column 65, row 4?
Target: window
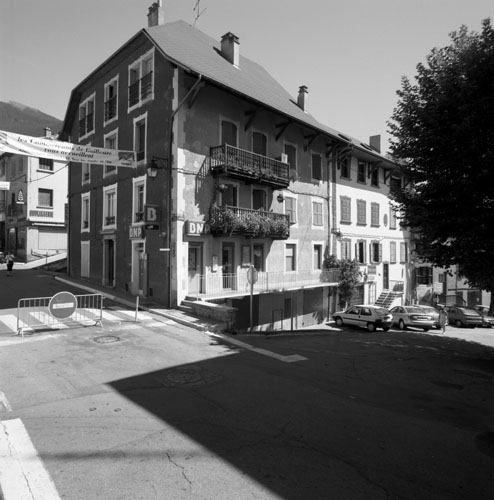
column 45, row 198
column 290, row 263
column 375, row 214
column 395, row 185
column 46, row 164
column 317, row 254
column 424, row 275
column 375, row 252
column 86, row 173
column 375, row 177
column 111, row 99
column 344, row 165
column 111, row 142
column 403, row 252
column 230, row 196
column 346, row 252
column 291, row 209
column 141, row 80
column 361, row 171
column 392, row 218
column 229, row 133
column 139, row 199
column 86, row 116
column 291, row 153
column 258, row 257
column 361, row 212
column 316, row 166
column 260, row 143
column 140, row 138
column 392, row 252
column 109, row 205
column 360, row 252
column 259, row 199
column 85, row 204
column 317, row 213
column 345, row 210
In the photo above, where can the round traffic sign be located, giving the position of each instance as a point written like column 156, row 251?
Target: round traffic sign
column 252, row 275
column 62, row 305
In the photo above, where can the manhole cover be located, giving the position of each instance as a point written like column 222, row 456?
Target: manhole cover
column 106, row 339
column 192, row 376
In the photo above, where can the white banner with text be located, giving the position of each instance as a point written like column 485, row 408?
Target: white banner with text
column 43, row 147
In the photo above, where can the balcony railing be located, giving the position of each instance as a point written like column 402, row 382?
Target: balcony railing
column 110, row 108
column 230, row 220
column 396, row 286
column 249, row 166
column 110, row 220
column 213, row 285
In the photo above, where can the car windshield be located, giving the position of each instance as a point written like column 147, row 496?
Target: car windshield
column 414, row 310
column 469, row 312
column 380, row 311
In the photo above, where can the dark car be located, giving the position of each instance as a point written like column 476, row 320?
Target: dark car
column 487, row 320
column 463, row 316
column 365, row 316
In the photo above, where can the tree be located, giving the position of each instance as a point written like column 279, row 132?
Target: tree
column 443, row 136
column 349, row 276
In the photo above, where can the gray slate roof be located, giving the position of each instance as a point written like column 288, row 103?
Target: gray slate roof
column 198, row 52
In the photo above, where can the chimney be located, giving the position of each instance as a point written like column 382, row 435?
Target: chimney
column 302, row 97
column 47, row 132
column 375, row 142
column 156, row 14
column 230, row 48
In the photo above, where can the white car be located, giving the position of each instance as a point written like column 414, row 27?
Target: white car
column 365, row 316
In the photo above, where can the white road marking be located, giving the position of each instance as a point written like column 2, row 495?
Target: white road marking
column 22, row 474
column 10, row 321
column 293, row 358
column 5, row 402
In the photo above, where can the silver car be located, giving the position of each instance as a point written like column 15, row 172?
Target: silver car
column 365, row 316
column 432, row 311
column 405, row 316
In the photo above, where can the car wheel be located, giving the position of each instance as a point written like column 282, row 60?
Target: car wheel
column 371, row 327
column 386, row 328
column 458, row 323
column 402, row 325
column 426, row 329
column 338, row 321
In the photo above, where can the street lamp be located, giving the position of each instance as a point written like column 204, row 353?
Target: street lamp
column 154, row 166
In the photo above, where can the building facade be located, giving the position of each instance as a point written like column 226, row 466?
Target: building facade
column 233, row 198
column 34, row 207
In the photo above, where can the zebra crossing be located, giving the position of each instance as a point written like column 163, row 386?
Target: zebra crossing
column 9, row 323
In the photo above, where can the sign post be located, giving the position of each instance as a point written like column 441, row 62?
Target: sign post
column 252, row 277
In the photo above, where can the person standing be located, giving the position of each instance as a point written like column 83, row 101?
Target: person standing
column 10, row 263
column 443, row 319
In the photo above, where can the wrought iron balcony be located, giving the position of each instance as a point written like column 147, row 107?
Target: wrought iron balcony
column 249, row 166
column 230, row 220
column 217, row 285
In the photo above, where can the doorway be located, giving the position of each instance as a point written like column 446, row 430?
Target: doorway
column 195, row 267
column 109, row 262
column 386, row 276
column 228, row 263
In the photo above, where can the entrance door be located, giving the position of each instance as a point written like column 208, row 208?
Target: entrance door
column 386, row 276
column 109, row 263
column 195, row 267
column 228, row 263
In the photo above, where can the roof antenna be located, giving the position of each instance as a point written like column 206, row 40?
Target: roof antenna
column 198, row 11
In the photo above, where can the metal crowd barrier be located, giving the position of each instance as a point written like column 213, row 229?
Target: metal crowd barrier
column 35, row 312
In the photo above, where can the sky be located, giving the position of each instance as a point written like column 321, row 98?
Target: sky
column 351, row 54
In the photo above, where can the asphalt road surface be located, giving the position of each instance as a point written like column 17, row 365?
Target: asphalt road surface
column 154, row 410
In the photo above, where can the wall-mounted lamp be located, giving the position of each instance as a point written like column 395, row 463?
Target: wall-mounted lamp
column 221, row 187
column 156, row 164
column 280, row 197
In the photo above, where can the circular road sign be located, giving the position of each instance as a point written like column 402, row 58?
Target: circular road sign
column 62, row 305
column 252, row 275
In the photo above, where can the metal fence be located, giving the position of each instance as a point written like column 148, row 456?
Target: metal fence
column 34, row 313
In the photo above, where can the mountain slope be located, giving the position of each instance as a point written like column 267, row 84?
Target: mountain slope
column 15, row 117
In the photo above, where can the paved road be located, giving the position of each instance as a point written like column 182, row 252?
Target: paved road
column 154, row 410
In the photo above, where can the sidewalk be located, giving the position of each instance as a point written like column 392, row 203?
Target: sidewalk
column 144, row 304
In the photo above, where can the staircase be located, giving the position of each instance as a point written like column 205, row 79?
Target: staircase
column 387, row 298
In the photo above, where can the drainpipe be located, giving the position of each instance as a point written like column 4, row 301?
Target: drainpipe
column 168, row 201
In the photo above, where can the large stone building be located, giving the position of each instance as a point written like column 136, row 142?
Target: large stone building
column 235, row 182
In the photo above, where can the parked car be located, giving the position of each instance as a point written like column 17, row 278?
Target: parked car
column 463, row 316
column 2, row 258
column 365, row 316
column 415, row 316
column 487, row 320
column 432, row 311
